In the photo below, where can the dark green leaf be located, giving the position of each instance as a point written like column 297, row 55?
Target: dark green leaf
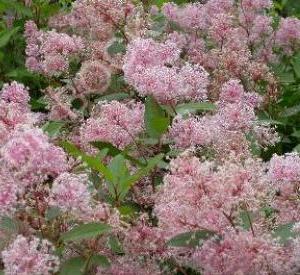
column 85, row 231
column 113, row 151
column 73, row 266
column 156, row 120
column 6, row 35
column 128, row 183
column 99, row 260
column 92, row 162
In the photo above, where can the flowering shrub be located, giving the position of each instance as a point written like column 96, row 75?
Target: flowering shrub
column 146, row 148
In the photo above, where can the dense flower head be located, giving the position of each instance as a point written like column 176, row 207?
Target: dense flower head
column 70, row 193
column 115, row 122
column 285, row 168
column 130, row 266
column 93, row 77
column 9, row 189
column 30, row 256
column 203, row 195
column 288, row 34
column 243, row 253
column 95, row 19
column 14, row 109
column 191, row 16
column 15, row 92
column 147, row 69
column 48, row 52
column 31, row 156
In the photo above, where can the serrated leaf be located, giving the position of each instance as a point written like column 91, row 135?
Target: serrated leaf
column 6, row 35
column 191, row 239
column 73, row 266
column 85, row 231
column 195, row 107
column 156, row 120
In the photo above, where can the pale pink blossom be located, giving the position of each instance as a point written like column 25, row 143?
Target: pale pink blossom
column 117, row 123
column 30, row 256
column 70, row 193
column 32, row 158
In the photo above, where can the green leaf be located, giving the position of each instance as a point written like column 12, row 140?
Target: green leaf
column 52, row 213
column 9, row 225
column 92, row 162
column 128, row 183
column 116, row 47
column 284, row 232
column 73, row 266
column 99, row 260
column 246, row 218
column 115, row 245
column 191, row 239
column 195, row 107
column 6, row 35
column 297, row 148
column 53, row 128
column 156, row 120
column 85, row 231
column 288, row 112
column 120, row 174
column 16, row 6
column 113, row 151
column 286, row 77
column 296, row 65
column 38, row 104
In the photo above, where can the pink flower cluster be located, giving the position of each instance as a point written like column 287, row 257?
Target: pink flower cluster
column 288, row 35
column 151, row 68
column 185, row 57
column 49, row 52
column 31, row 157
column 115, row 122
column 93, row 77
column 14, row 109
column 202, row 195
column 30, row 256
column 243, row 253
column 70, row 193
column 285, row 168
column 235, row 115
